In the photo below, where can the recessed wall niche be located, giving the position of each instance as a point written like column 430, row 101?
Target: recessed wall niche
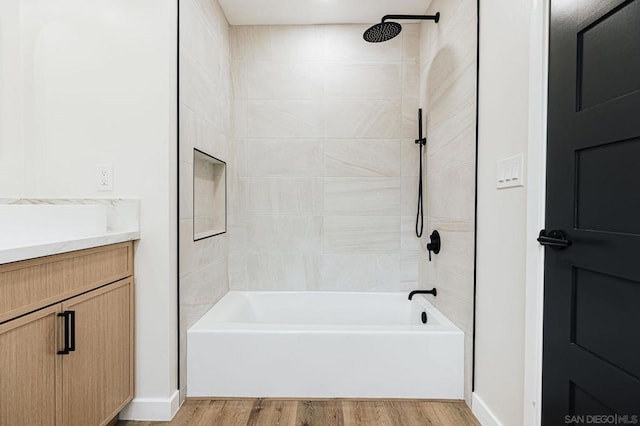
column 209, row 196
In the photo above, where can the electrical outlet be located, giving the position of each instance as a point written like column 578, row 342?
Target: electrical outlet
column 105, row 177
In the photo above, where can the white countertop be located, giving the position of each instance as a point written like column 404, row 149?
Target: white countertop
column 33, row 249
column 31, row 228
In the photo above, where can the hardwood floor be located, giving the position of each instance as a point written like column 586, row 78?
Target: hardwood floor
column 270, row 412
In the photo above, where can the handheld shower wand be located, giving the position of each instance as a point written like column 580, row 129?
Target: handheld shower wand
column 421, row 141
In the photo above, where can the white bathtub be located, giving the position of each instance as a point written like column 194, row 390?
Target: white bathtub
column 324, row 345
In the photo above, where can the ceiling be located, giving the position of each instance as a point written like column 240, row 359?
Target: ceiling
column 301, row 12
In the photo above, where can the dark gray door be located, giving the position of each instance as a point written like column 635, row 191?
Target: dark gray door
column 591, row 363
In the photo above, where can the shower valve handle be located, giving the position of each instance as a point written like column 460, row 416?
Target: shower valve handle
column 434, row 245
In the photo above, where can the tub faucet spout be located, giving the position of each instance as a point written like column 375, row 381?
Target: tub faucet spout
column 432, row 291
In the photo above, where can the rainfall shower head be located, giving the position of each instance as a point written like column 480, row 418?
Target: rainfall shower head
column 382, row 32
column 387, row 30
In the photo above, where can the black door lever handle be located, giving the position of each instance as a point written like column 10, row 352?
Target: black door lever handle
column 554, row 239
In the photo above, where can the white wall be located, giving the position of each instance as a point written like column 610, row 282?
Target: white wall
column 98, row 83
column 325, row 123
column 503, row 131
column 12, row 167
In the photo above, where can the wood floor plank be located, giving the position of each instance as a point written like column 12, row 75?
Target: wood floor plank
column 230, row 413
column 192, row 413
column 319, row 413
column 212, row 414
column 273, row 412
column 408, row 413
column 374, row 413
column 446, row 413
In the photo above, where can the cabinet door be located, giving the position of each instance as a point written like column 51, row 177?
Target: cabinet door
column 28, row 366
column 97, row 379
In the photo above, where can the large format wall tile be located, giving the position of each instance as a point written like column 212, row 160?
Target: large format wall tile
column 199, row 133
column 457, row 201
column 362, row 196
column 198, row 92
column 238, row 279
column 372, row 80
column 459, row 253
column 456, row 152
column 201, row 289
column 240, row 119
column 284, row 234
column 410, row 155
column 205, row 123
column 409, row 119
column 344, row 43
column 237, row 230
column 409, row 197
column 454, row 109
column 411, row 42
column 196, row 255
column 286, row 80
column 327, row 124
column 199, row 41
column 236, row 195
column 362, row 157
column 410, row 80
column 409, row 242
column 409, row 271
column 285, row 119
column 282, row 196
column 361, row 234
column 285, row 157
column 359, row 272
column 250, row 43
column 297, row 43
column 375, row 119
column 285, row 272
column 186, row 191
column 448, row 93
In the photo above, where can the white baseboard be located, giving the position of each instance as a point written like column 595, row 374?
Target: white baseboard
column 484, row 415
column 152, row 409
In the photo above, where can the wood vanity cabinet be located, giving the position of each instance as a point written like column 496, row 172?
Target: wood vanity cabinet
column 66, row 347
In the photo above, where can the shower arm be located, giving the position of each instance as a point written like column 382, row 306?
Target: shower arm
column 435, row 17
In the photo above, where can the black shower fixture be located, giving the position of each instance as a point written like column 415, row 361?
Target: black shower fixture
column 435, row 244
column 387, row 30
column 433, row 292
column 421, row 141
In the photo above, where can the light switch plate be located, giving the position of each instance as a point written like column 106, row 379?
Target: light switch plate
column 510, row 172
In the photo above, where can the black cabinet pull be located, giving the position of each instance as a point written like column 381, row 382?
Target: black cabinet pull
column 72, row 326
column 554, row 239
column 69, row 332
column 65, row 351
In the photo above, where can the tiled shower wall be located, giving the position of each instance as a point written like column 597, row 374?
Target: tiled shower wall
column 325, row 125
column 448, row 94
column 322, row 164
column 205, row 123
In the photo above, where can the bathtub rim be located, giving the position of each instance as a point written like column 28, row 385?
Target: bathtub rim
column 207, row 324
